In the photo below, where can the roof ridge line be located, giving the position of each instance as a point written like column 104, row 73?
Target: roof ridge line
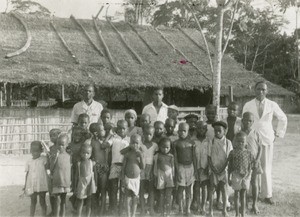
column 87, row 35
column 181, row 53
column 137, row 57
column 106, row 49
column 64, row 43
column 28, row 41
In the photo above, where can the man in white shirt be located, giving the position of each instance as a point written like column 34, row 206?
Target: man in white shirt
column 157, row 110
column 263, row 110
column 88, row 105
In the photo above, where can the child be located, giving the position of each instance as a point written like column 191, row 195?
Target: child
column 36, row 179
column 191, row 120
column 105, row 116
column 202, row 144
column 85, row 179
column 239, row 172
column 132, row 166
column 185, row 164
column 84, row 121
column 53, row 134
column 173, row 112
column 233, row 122
column 170, row 127
column 117, row 142
column 100, row 156
column 144, row 120
column 164, row 175
column 211, row 115
column 159, row 131
column 149, row 148
column 60, row 168
column 254, row 145
column 130, row 117
column 217, row 160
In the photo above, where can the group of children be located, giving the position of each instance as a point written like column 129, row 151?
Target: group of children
column 131, row 162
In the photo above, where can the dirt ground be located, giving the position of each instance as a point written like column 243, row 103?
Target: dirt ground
column 286, row 176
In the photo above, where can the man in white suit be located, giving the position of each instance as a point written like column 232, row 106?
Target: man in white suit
column 263, row 110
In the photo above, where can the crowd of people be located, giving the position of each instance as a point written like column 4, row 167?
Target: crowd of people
column 159, row 163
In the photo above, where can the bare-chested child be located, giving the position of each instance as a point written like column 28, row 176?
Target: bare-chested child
column 100, row 156
column 185, row 164
column 144, row 120
column 131, row 117
column 217, row 160
column 164, row 175
column 85, row 184
column 159, row 132
column 254, row 145
column 170, row 127
column 239, row 172
column 202, row 144
column 105, row 116
column 84, row 121
column 211, row 116
column 149, row 148
column 191, row 120
column 116, row 142
column 233, row 121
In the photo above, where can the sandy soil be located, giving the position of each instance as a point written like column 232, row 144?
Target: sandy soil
column 286, row 176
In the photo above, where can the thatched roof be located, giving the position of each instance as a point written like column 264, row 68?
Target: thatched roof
column 47, row 61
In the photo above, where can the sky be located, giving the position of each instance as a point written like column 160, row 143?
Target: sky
column 87, row 8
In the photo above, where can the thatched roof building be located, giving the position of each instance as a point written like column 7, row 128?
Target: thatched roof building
column 145, row 60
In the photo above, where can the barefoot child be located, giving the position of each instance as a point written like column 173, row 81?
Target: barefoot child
column 159, row 132
column 86, row 186
column 117, row 142
column 130, row 117
column 149, row 149
column 185, row 164
column 217, row 160
column 60, row 168
column 132, row 166
column 202, row 144
column 233, row 121
column 36, row 179
column 164, row 175
column 254, row 145
column 100, row 156
column 239, row 172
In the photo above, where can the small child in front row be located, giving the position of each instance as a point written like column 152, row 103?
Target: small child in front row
column 149, row 148
column 185, row 165
column 86, row 186
column 164, row 175
column 36, row 179
column 202, row 144
column 60, row 168
column 131, row 117
column 254, row 145
column 132, row 165
column 217, row 160
column 239, row 172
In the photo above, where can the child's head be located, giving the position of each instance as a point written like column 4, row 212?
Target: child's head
column 130, row 117
column 183, row 130
column 86, row 150
column 148, row 133
column 158, row 95
column 144, row 120
column 233, row 109
column 54, row 133
column 220, row 128
column 173, row 112
column 201, row 128
column 164, row 145
column 62, row 142
column 211, row 113
column 170, row 125
column 247, row 120
column 77, row 134
column 36, row 148
column 83, row 120
column 97, row 130
column 108, row 127
column 240, row 141
column 159, row 128
column 191, row 120
column 105, row 116
column 135, row 141
column 122, row 127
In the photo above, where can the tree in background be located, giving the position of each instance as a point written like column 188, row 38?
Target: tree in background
column 27, row 7
column 138, row 10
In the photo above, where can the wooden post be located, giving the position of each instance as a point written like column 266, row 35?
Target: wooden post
column 62, row 93
column 230, row 88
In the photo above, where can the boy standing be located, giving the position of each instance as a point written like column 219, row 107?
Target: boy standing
column 211, row 115
column 159, row 131
column 233, row 121
column 191, row 120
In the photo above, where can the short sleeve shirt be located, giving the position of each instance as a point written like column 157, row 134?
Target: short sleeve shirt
column 117, row 144
column 93, row 110
column 162, row 115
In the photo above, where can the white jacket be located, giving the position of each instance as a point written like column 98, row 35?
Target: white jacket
column 264, row 124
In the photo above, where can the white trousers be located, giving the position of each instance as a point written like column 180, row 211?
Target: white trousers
column 266, row 177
